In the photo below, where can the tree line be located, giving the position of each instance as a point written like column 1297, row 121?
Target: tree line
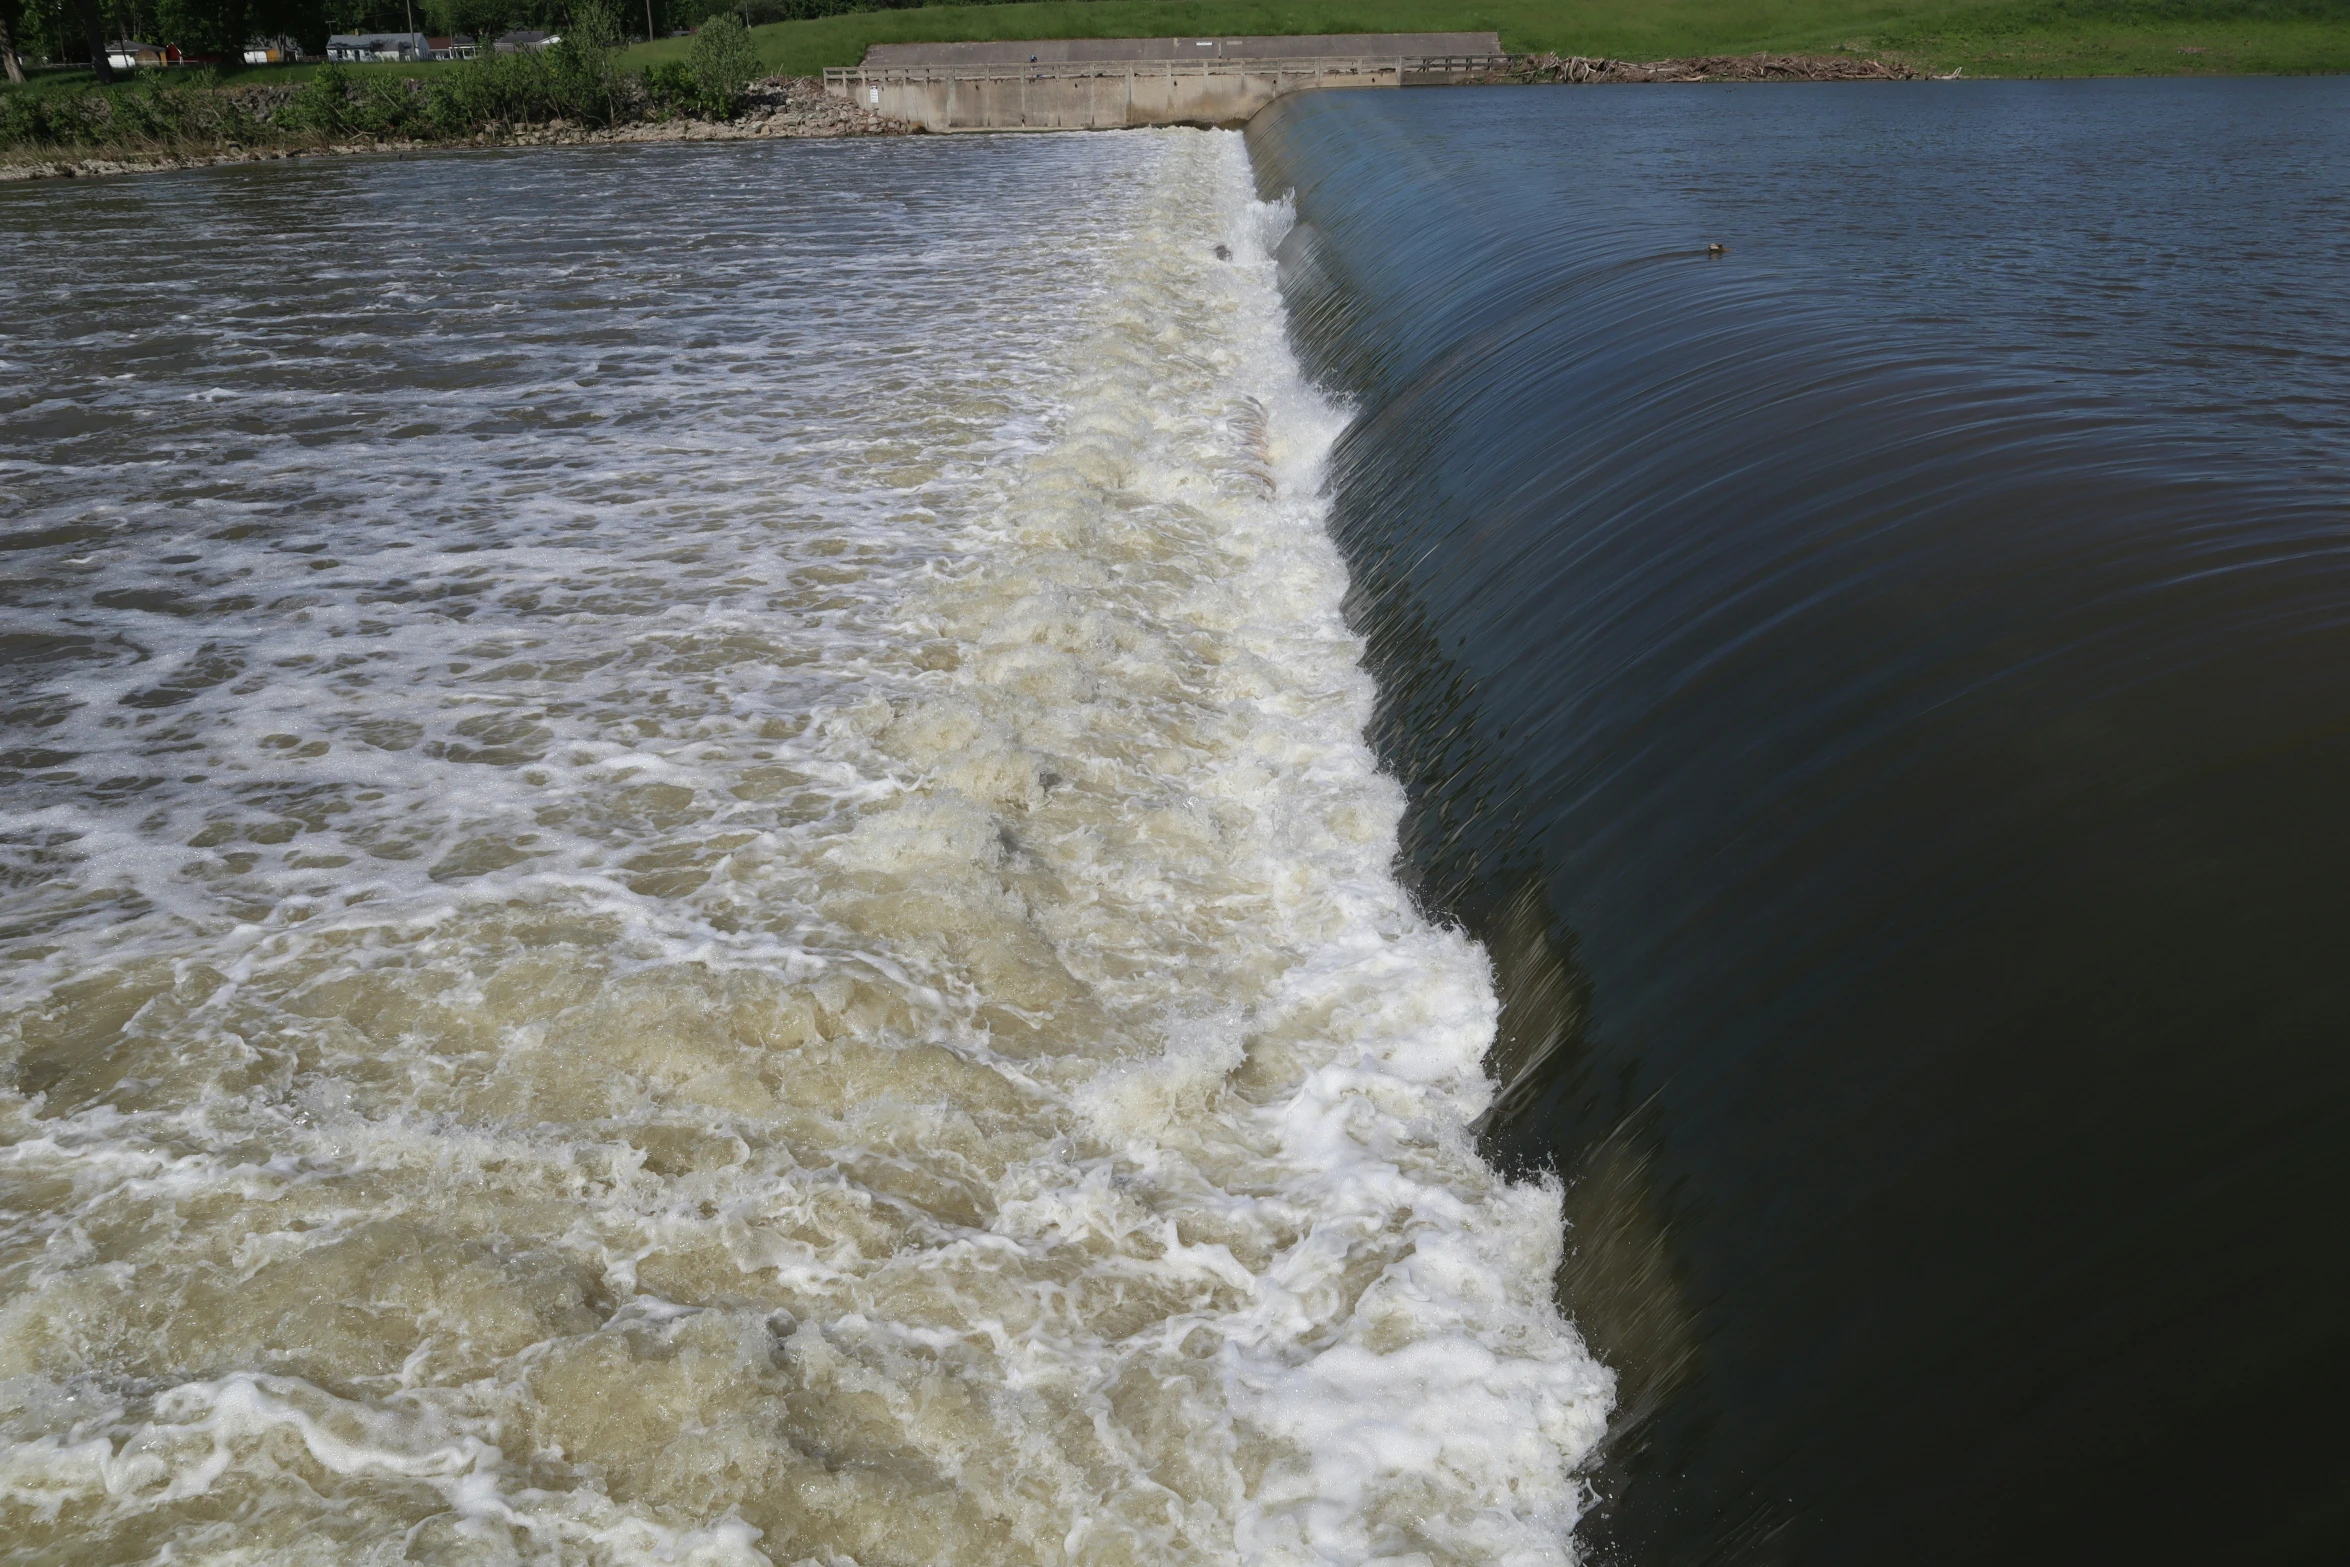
column 76, row 32
column 578, row 81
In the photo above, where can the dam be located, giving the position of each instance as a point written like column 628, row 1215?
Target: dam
column 1114, row 83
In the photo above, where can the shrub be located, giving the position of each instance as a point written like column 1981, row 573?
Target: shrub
column 338, row 102
column 670, row 90
column 577, row 79
column 30, row 120
column 146, row 112
column 471, row 95
column 385, row 106
column 723, row 64
column 322, row 104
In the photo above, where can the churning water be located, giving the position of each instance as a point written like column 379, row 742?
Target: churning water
column 691, row 875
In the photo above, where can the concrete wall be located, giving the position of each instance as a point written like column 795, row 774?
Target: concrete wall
column 1094, row 97
column 1059, row 51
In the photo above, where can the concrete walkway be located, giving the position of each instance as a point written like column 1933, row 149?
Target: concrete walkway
column 1109, row 83
column 1057, row 51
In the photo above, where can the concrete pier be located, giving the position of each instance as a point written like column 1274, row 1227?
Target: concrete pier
column 1111, row 83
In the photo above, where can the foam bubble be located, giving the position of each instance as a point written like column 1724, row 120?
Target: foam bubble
column 802, row 969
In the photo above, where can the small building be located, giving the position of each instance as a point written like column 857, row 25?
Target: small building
column 459, row 46
column 129, row 54
column 272, row 51
column 525, row 41
column 354, row 48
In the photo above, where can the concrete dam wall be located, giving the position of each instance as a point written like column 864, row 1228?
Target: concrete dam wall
column 1111, row 83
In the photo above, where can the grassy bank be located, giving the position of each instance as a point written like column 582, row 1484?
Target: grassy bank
column 1984, row 37
column 2129, row 38
column 590, row 81
column 580, row 84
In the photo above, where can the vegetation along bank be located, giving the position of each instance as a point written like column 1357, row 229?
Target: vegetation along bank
column 613, row 73
column 578, row 89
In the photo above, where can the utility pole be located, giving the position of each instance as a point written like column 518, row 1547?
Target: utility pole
column 648, row 21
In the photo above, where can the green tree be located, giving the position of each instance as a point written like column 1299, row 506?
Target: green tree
column 723, row 63
column 304, row 21
column 95, row 31
column 12, row 21
column 200, row 27
column 482, row 20
column 583, row 67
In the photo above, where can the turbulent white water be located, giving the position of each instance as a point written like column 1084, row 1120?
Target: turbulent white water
column 712, row 893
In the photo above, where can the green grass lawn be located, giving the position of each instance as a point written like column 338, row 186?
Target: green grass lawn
column 2054, row 38
column 1985, row 37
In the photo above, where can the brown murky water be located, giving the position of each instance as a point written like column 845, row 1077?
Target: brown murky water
column 690, row 876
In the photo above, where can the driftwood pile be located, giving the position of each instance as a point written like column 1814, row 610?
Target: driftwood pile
column 1711, row 68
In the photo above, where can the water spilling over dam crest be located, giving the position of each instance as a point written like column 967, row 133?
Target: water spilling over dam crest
column 731, row 908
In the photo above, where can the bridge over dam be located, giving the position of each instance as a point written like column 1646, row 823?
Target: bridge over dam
column 1060, row 84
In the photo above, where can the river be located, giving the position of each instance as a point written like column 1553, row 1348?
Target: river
column 1882, row 691
column 1505, row 826
column 692, row 875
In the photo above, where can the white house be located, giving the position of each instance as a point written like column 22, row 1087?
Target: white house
column 128, row 54
column 356, row 47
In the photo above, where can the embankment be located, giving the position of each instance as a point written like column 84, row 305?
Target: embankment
column 123, row 134
column 778, row 108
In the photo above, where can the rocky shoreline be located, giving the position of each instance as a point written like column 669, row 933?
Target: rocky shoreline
column 1580, row 69
column 780, row 108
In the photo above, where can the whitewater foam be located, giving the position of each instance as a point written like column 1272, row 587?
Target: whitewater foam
column 802, row 970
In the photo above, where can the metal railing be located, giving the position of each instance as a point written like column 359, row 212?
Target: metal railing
column 1464, row 64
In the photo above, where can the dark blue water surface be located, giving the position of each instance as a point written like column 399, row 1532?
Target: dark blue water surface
column 1883, row 692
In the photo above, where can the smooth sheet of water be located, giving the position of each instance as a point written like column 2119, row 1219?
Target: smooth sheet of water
column 690, row 874
column 1883, row 694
